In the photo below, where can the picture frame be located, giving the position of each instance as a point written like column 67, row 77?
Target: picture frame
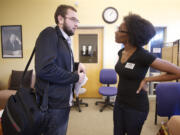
column 11, row 41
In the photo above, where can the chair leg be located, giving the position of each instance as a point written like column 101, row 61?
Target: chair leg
column 97, row 102
column 82, row 103
column 111, row 104
column 79, row 102
column 155, row 120
column 106, row 103
column 86, row 104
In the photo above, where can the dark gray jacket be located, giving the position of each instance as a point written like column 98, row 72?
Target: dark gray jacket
column 53, row 66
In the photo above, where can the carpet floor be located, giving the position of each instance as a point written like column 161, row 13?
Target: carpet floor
column 93, row 122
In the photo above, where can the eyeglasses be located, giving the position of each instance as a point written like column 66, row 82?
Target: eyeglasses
column 123, row 31
column 73, row 19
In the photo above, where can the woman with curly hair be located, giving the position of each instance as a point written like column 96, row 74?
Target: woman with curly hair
column 132, row 105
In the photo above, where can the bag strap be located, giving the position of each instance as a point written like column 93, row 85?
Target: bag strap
column 26, row 68
column 44, row 103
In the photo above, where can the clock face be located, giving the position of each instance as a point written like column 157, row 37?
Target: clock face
column 110, row 15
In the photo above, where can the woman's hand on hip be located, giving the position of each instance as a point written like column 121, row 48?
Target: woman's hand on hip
column 142, row 86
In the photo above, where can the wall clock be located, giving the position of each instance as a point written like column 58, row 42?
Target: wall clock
column 110, row 15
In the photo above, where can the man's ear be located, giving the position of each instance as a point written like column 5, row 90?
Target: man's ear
column 60, row 19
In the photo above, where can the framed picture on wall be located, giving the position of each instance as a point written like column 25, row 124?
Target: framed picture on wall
column 11, row 41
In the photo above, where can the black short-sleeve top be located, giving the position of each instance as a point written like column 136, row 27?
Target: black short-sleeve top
column 131, row 73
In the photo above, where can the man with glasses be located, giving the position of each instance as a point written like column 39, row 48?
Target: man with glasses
column 54, row 65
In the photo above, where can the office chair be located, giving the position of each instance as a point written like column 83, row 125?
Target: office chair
column 167, row 99
column 79, row 101
column 79, row 90
column 107, row 77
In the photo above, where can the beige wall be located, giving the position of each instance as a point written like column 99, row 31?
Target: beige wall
column 34, row 15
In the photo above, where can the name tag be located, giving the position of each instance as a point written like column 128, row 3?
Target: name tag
column 129, row 65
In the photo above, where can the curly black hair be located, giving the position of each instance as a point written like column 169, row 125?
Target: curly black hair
column 140, row 30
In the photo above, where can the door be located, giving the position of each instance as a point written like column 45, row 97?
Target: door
column 88, row 49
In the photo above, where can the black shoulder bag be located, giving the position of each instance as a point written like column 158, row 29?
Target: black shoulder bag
column 22, row 115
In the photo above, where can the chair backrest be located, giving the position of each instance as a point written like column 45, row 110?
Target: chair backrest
column 168, row 98
column 108, row 76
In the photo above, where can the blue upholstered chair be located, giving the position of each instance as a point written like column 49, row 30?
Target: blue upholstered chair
column 107, row 77
column 167, row 99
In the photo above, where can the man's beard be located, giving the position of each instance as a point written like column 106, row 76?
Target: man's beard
column 67, row 30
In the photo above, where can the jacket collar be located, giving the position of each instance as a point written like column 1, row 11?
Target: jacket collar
column 59, row 33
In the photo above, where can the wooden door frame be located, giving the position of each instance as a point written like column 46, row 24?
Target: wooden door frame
column 93, row 27
column 102, row 44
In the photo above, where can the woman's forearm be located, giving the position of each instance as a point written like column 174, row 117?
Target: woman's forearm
column 162, row 77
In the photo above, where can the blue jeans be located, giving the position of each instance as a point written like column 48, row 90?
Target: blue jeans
column 56, row 121
column 127, row 120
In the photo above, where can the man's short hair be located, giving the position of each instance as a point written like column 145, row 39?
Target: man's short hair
column 62, row 10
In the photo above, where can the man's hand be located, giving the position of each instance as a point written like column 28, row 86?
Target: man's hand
column 81, row 77
column 81, row 68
